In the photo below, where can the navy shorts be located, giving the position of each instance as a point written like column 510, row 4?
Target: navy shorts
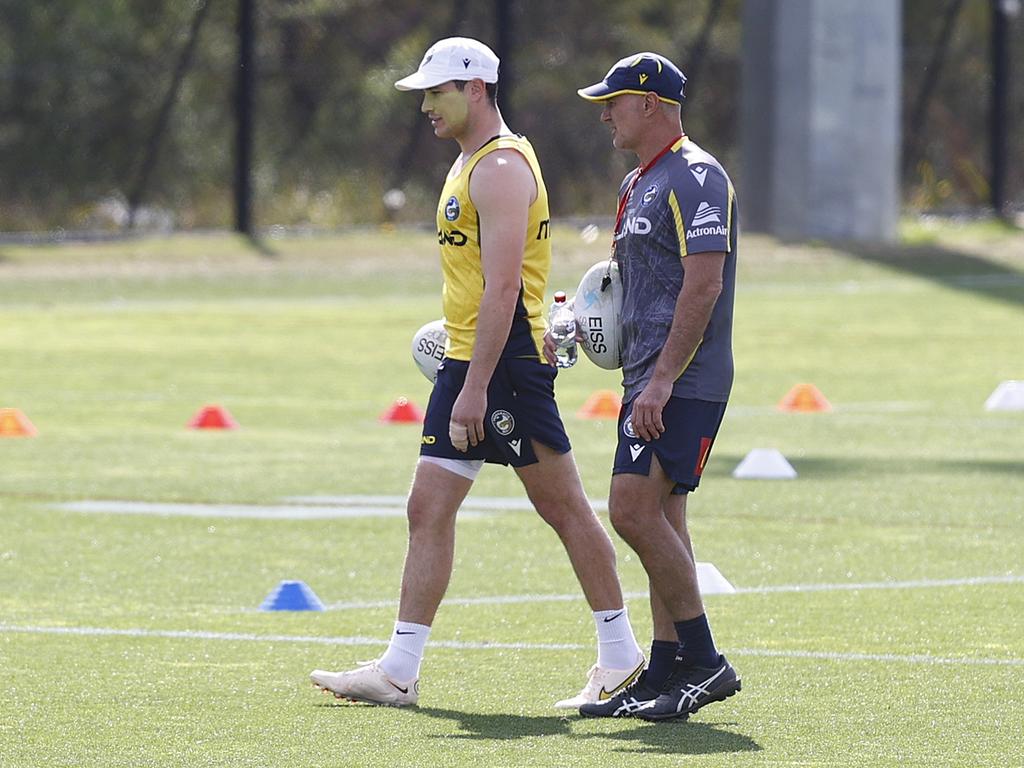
column 682, row 449
column 520, row 408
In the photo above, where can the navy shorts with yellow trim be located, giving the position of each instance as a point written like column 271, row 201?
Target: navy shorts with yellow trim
column 520, row 408
column 682, row 449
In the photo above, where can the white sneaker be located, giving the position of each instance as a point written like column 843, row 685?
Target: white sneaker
column 368, row 683
column 601, row 685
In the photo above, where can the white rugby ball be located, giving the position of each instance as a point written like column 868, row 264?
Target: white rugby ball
column 598, row 308
column 428, row 348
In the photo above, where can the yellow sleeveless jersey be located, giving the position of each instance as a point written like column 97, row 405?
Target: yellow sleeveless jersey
column 458, row 233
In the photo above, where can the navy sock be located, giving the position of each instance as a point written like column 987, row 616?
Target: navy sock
column 696, row 646
column 659, row 667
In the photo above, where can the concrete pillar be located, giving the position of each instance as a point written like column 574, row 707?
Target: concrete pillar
column 820, row 134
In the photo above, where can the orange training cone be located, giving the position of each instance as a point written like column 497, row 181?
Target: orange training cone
column 213, row 417
column 402, row 411
column 603, row 404
column 805, row 398
column 14, row 423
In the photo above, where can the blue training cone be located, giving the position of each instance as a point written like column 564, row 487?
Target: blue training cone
column 292, row 596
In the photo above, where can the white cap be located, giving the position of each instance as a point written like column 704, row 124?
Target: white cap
column 454, row 58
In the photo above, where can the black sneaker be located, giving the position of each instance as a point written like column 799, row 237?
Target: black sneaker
column 626, row 702
column 689, row 688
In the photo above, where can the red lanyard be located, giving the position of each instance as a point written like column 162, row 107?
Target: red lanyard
column 640, row 171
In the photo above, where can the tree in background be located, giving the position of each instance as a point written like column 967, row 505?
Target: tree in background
column 86, row 122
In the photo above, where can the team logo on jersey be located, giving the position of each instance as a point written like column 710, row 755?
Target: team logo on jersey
column 451, row 237
column 699, row 173
column 627, row 427
column 706, row 231
column 634, row 225
column 452, row 209
column 706, row 214
column 649, row 194
column 503, row 422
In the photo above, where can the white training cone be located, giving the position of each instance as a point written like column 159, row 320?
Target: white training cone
column 711, row 580
column 764, row 464
column 1009, row 396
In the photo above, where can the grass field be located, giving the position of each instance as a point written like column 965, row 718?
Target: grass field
column 879, row 614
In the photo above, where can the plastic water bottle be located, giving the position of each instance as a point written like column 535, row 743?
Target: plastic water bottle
column 562, row 323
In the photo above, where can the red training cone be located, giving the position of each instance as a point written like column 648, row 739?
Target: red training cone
column 213, row 417
column 805, row 398
column 14, row 423
column 603, row 404
column 402, row 411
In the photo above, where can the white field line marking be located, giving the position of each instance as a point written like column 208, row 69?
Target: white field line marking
column 254, row 512
column 971, row 581
column 867, row 585
column 504, row 503
column 484, row 646
column 187, row 634
column 914, row 658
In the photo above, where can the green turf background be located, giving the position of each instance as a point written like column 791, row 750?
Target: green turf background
column 111, row 348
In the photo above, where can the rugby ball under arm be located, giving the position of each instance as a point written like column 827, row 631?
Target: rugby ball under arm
column 598, row 309
column 428, row 348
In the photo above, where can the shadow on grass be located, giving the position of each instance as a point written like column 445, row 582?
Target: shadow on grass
column 660, row 738
column 500, row 727
column 957, row 270
column 261, row 246
column 680, row 738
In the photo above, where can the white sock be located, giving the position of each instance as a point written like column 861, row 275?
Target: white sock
column 616, row 644
column 405, row 651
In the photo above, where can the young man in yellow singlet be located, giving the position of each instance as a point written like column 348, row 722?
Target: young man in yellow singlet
column 493, row 400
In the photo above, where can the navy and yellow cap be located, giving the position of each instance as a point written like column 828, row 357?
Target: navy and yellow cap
column 639, row 73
